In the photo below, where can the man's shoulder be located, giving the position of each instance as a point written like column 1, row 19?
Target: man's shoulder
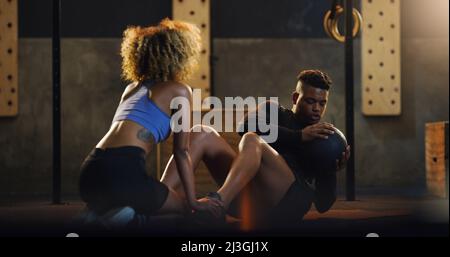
column 285, row 110
column 273, row 104
column 285, row 115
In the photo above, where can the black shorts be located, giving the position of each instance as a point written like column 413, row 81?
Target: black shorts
column 116, row 177
column 294, row 205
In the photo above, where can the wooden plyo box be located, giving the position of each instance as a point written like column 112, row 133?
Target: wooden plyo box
column 436, row 156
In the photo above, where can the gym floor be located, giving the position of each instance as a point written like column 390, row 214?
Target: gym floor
column 384, row 215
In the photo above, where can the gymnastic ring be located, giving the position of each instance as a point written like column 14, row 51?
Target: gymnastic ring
column 331, row 25
column 327, row 23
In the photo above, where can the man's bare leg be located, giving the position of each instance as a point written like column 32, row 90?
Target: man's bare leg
column 261, row 174
column 258, row 173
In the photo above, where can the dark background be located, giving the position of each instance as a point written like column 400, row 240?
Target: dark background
column 230, row 18
column 259, row 47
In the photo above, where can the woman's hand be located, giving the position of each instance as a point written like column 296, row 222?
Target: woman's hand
column 318, row 130
column 211, row 205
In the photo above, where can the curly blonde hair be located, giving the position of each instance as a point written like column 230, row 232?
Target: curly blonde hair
column 167, row 51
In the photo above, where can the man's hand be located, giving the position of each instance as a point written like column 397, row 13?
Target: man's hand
column 318, row 130
column 340, row 164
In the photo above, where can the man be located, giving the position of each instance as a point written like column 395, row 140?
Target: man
column 264, row 183
column 295, row 127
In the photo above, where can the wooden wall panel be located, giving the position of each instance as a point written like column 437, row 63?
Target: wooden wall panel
column 9, row 80
column 381, row 59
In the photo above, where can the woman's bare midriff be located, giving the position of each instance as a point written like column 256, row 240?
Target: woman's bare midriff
column 124, row 133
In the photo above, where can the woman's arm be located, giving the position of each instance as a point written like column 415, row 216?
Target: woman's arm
column 182, row 157
column 181, row 144
column 184, row 165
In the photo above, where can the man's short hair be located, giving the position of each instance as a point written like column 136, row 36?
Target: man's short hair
column 314, row 78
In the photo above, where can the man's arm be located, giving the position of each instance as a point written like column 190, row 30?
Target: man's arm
column 325, row 192
column 286, row 136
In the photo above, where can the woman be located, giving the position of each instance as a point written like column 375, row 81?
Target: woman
column 157, row 60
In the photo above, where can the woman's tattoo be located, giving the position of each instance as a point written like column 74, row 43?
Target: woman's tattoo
column 145, row 135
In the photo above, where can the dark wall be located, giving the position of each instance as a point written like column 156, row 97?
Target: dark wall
column 230, row 18
column 89, row 18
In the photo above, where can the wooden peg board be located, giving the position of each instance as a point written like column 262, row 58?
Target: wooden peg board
column 198, row 13
column 381, row 60
column 9, row 100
